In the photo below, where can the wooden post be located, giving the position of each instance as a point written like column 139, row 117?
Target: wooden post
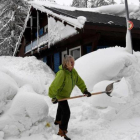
column 37, row 29
column 81, row 42
column 95, row 41
column 31, row 26
column 67, row 50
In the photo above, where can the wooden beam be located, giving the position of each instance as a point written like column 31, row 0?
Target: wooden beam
column 108, row 28
column 95, row 41
column 104, row 28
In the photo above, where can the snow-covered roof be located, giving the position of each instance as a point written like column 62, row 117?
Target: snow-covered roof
column 117, row 9
column 97, row 18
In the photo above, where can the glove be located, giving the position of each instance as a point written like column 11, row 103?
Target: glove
column 88, row 94
column 54, row 100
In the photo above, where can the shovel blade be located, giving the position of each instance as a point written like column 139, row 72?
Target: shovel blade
column 109, row 88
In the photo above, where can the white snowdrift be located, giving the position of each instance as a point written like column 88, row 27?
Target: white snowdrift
column 119, row 10
column 104, row 64
column 23, row 110
column 8, row 89
column 28, row 70
column 28, row 109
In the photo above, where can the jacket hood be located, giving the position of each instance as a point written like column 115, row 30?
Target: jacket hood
column 60, row 67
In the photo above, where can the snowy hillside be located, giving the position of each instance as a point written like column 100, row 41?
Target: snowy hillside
column 28, row 114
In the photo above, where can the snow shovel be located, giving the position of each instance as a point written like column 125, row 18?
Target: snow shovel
column 108, row 91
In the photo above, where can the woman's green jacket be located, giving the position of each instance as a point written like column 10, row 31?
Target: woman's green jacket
column 64, row 83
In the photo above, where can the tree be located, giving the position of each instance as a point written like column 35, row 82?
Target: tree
column 79, row 3
column 12, row 15
column 92, row 3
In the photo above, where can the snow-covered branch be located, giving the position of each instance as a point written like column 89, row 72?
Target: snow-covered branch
column 10, row 20
column 5, row 40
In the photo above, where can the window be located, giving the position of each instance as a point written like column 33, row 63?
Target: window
column 75, row 52
column 39, row 33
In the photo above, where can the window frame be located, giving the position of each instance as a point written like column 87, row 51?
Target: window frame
column 78, row 47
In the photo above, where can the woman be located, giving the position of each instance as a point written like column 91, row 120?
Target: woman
column 62, row 86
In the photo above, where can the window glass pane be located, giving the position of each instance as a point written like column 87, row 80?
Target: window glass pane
column 89, row 49
column 45, row 59
column 75, row 53
column 56, row 62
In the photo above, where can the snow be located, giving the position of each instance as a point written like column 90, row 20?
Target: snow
column 58, row 31
column 28, row 114
column 72, row 21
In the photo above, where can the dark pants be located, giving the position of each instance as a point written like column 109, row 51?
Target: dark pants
column 63, row 114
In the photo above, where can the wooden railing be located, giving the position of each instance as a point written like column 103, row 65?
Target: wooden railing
column 41, row 41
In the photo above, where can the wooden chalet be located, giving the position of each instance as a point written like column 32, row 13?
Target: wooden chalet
column 99, row 31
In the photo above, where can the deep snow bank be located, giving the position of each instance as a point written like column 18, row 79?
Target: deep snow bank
column 104, row 64
column 28, row 109
column 23, row 110
column 28, row 70
column 102, row 67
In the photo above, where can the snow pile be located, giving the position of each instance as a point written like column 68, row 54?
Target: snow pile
column 34, row 73
column 27, row 110
column 8, row 89
column 119, row 10
column 107, row 66
column 114, row 61
column 23, row 110
column 82, row 19
column 58, row 31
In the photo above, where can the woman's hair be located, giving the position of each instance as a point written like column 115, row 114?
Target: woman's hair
column 66, row 61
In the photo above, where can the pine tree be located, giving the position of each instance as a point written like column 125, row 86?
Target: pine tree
column 12, row 15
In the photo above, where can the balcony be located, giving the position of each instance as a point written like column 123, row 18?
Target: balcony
column 41, row 41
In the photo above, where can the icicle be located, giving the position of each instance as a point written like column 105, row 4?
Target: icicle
column 75, row 27
column 38, row 49
column 63, row 21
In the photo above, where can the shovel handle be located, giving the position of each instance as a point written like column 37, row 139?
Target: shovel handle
column 108, row 91
column 80, row 96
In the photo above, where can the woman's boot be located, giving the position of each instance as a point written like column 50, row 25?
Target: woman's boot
column 62, row 133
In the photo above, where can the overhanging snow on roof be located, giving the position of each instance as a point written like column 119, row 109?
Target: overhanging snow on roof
column 72, row 21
